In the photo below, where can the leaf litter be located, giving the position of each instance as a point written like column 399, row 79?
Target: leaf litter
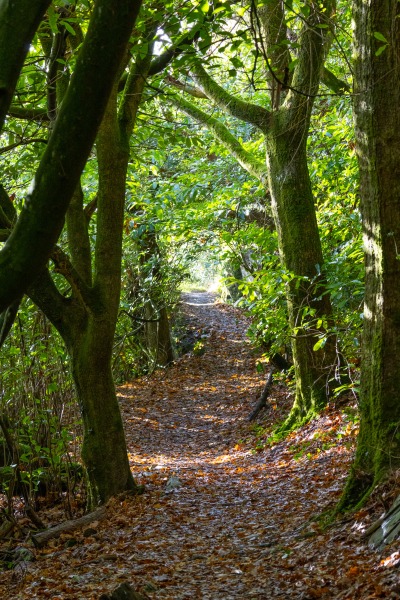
column 227, row 513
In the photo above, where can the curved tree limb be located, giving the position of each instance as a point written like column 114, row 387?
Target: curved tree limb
column 25, row 142
column 7, row 318
column 336, row 85
column 64, row 266
column 28, row 113
column 253, row 166
column 245, row 111
column 185, row 87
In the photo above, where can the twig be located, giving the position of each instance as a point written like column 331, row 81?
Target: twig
column 265, row 393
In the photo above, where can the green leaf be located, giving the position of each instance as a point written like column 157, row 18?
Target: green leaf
column 68, row 27
column 305, row 10
column 380, row 37
column 53, row 17
column 240, row 11
column 320, row 344
column 380, row 50
column 205, row 7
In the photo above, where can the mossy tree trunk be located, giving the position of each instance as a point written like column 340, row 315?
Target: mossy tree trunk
column 301, row 254
column 18, row 24
column 377, row 118
column 309, row 307
column 104, row 447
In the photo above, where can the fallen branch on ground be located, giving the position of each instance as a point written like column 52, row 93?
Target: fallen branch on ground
column 40, row 539
column 262, row 402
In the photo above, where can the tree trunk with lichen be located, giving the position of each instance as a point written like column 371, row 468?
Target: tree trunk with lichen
column 41, row 219
column 377, row 118
column 314, row 349
column 309, row 308
column 87, row 319
column 157, row 326
column 104, row 446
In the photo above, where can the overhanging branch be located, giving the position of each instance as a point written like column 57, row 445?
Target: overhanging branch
column 255, row 167
column 245, row 111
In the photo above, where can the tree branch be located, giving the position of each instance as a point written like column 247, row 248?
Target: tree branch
column 90, row 208
column 314, row 41
column 7, row 318
column 18, row 23
column 30, row 114
column 336, row 85
column 44, row 293
column 276, row 52
column 255, row 167
column 22, row 143
column 79, row 247
column 64, row 266
column 245, row 111
column 163, row 60
column 8, row 214
column 135, row 84
column 185, row 87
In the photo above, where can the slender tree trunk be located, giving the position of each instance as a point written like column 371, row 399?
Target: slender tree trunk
column 158, row 334
column 157, row 327
column 377, row 101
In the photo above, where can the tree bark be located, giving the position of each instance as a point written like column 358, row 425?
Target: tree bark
column 41, row 539
column 104, row 446
column 300, row 248
column 87, row 319
column 157, row 326
column 18, row 23
column 377, row 119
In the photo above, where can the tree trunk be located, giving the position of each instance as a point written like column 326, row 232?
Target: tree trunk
column 104, row 447
column 158, row 335
column 286, row 129
column 377, row 116
column 301, row 254
column 157, row 327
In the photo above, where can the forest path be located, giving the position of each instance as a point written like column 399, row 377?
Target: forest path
column 236, row 526
column 218, row 520
column 211, row 536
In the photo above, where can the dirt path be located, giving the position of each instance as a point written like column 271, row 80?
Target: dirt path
column 218, row 521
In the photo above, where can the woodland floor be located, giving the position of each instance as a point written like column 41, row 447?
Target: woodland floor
column 241, row 522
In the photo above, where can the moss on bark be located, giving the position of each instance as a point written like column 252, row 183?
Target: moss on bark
column 377, row 99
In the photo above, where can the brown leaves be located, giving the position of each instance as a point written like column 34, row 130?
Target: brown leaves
column 241, row 524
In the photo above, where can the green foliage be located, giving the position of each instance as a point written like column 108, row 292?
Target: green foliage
column 37, row 404
column 334, row 173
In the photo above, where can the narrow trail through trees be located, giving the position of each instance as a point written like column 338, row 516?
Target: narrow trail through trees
column 218, row 520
